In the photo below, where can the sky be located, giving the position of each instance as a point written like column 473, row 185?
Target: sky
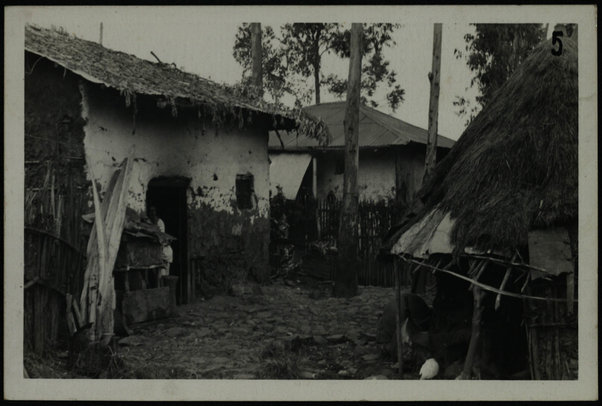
column 200, row 40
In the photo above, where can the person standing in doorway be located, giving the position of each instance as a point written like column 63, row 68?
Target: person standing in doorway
column 167, row 255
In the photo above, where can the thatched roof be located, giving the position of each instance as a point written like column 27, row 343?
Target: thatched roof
column 132, row 75
column 514, row 169
column 376, row 130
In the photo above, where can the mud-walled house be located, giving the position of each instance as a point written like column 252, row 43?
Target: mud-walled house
column 196, row 150
column 391, row 157
column 497, row 227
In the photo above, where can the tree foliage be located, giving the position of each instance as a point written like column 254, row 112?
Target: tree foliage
column 304, row 46
column 295, row 57
column 493, row 53
column 375, row 68
column 274, row 70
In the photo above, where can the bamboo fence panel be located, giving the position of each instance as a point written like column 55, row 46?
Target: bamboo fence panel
column 54, row 262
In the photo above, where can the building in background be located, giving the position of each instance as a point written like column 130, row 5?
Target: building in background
column 391, row 158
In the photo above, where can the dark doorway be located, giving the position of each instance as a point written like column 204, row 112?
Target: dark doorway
column 168, row 195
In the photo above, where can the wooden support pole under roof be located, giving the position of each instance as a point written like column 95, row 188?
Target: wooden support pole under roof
column 475, row 336
column 398, row 321
column 498, row 298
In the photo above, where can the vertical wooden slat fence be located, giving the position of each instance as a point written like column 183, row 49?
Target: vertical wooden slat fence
column 375, row 220
column 54, row 253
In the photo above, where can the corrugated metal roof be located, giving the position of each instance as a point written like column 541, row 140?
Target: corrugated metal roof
column 377, row 129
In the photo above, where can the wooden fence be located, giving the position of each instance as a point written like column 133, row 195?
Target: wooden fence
column 53, row 268
column 319, row 219
column 54, row 253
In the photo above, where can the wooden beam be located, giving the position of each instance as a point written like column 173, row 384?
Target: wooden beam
column 498, row 298
column 434, row 77
column 490, row 288
column 479, row 271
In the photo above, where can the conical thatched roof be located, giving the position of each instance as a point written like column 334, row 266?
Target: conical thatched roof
column 514, row 168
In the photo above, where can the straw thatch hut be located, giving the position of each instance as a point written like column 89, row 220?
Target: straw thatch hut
column 499, row 217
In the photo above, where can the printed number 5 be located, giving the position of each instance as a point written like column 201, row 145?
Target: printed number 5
column 555, row 39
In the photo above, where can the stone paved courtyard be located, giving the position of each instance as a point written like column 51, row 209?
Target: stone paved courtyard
column 281, row 332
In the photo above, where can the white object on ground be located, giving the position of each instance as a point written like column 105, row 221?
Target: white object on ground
column 429, row 369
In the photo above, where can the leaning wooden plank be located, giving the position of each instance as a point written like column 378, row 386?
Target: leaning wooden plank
column 116, row 215
column 91, row 275
column 102, row 253
column 107, row 207
column 96, row 261
column 114, row 224
column 91, row 253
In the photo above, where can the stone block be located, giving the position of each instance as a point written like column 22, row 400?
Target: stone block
column 146, row 304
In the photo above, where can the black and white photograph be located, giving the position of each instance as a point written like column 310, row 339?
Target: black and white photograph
column 301, row 203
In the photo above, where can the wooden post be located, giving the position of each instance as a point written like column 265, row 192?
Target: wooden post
column 100, row 40
column 314, row 182
column 398, row 321
column 256, row 57
column 314, row 190
column 475, row 337
column 434, row 77
column 346, row 275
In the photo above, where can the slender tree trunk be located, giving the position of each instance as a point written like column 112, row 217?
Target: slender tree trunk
column 256, row 57
column 346, row 275
column 431, row 145
column 316, row 64
column 317, row 81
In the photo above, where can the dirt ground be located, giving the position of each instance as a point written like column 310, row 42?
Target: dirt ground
column 287, row 330
column 282, row 332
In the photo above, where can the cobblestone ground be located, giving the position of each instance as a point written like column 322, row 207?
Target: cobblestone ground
column 282, row 332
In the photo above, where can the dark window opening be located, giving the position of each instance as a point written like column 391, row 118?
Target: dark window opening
column 244, row 191
column 339, row 166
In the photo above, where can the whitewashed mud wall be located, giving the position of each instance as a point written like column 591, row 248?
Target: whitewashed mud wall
column 163, row 145
column 376, row 176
